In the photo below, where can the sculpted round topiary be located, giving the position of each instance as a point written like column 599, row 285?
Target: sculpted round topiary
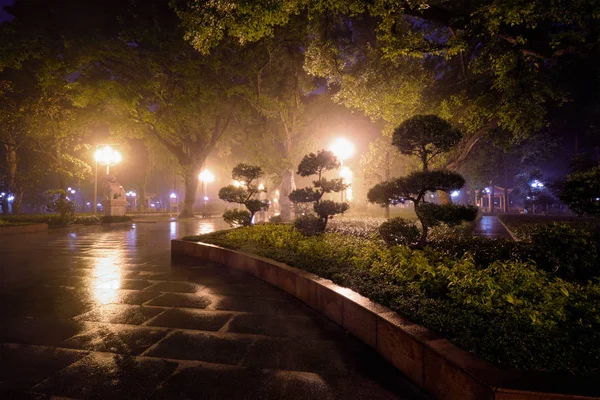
column 244, row 194
column 317, row 164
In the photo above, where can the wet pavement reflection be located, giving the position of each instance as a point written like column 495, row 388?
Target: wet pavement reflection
column 102, row 312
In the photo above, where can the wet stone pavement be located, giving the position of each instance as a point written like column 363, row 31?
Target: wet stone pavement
column 103, row 313
column 489, row 226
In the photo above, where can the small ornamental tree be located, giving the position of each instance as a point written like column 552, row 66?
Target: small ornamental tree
column 317, row 164
column 581, row 192
column 244, row 193
column 425, row 136
column 414, row 187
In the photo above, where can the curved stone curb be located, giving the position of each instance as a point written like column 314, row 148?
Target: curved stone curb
column 425, row 357
column 16, row 229
column 512, row 235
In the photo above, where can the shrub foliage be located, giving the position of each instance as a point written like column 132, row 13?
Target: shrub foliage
column 508, row 312
column 246, row 175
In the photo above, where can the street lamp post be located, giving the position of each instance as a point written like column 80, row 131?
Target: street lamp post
column 343, row 150
column 105, row 156
column 205, row 177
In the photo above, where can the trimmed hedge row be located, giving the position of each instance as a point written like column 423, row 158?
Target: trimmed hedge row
column 509, row 313
column 55, row 220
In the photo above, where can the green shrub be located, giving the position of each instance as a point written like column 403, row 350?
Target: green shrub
column 566, row 251
column 399, row 231
column 510, row 313
column 53, row 220
column 309, row 225
column 57, row 201
column 237, row 217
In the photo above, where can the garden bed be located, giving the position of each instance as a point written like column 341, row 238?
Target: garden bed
column 509, row 313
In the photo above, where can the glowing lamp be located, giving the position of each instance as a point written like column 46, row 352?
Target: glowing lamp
column 206, row 176
column 342, row 148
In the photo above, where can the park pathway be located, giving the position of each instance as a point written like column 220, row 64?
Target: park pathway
column 490, row 227
column 102, row 312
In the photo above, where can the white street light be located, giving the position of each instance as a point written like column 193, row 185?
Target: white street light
column 206, row 176
column 105, row 156
column 455, row 193
column 537, row 184
column 342, row 148
column 346, row 175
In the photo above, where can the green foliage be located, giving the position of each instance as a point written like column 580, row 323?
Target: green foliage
column 237, row 217
column 399, row 231
column 425, row 136
column 581, row 192
column 317, row 164
column 567, row 247
column 246, row 173
column 56, row 201
column 52, row 220
column 309, row 225
column 449, row 214
column 508, row 312
column 244, row 194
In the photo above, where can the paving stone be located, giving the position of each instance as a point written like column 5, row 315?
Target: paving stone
column 217, row 348
column 178, row 287
column 324, row 387
column 262, row 306
column 120, row 314
column 191, row 319
column 180, row 300
column 116, row 339
column 23, row 366
column 102, row 376
column 285, row 326
column 133, row 297
column 262, row 291
column 39, row 331
column 134, row 284
column 297, row 355
column 222, row 382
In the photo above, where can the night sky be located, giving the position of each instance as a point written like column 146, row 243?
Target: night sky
column 3, row 14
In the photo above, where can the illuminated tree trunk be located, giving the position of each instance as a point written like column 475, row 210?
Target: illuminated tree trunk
column 287, row 186
column 191, row 186
column 445, row 197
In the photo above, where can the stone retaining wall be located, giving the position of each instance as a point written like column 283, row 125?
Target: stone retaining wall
column 425, row 357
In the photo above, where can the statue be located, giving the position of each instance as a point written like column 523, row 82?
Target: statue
column 113, row 189
column 287, row 186
column 115, row 202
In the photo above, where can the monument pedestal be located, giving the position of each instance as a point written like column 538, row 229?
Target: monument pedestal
column 114, row 207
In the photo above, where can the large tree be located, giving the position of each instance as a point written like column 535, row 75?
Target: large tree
column 484, row 65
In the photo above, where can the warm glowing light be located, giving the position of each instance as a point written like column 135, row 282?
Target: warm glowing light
column 456, row 193
column 205, row 198
column 238, row 183
column 349, row 194
column 173, row 196
column 277, row 193
column 261, row 187
column 206, row 176
column 107, row 277
column 346, row 174
column 342, row 148
column 130, row 194
column 108, row 156
column 275, row 201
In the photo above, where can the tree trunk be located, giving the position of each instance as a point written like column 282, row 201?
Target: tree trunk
column 287, row 186
column 387, row 178
column 445, row 197
column 191, row 187
column 492, row 197
column 10, row 160
column 506, row 198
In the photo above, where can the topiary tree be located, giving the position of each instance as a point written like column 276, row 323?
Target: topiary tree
column 243, row 193
column 414, row 187
column 581, row 192
column 425, row 136
column 58, row 202
column 317, row 164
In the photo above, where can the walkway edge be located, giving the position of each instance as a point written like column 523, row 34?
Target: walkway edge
column 425, row 357
column 512, row 235
column 29, row 228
